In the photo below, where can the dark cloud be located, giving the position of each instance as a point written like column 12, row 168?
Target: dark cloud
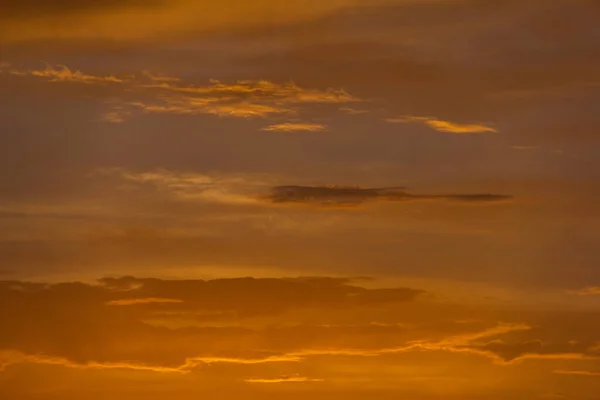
column 108, row 322
column 340, row 196
column 252, row 296
column 262, row 328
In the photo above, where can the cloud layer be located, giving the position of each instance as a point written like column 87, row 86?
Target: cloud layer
column 181, row 326
column 153, row 94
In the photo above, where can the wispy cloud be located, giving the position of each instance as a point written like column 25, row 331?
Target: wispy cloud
column 353, row 111
column 170, row 95
column 147, row 300
column 113, row 20
column 212, row 188
column 554, row 396
column 444, row 126
column 576, row 372
column 11, row 357
column 587, row 291
column 284, row 379
column 294, row 127
column 62, row 73
column 211, row 106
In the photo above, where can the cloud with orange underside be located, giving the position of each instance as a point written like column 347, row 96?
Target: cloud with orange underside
column 159, row 94
column 445, row 126
column 295, row 127
column 108, row 324
column 284, row 379
column 147, row 300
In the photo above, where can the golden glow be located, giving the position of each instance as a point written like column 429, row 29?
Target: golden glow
column 299, row 199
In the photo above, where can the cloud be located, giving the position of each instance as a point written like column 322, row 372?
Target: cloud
column 194, row 106
column 170, row 95
column 284, row 379
column 8, row 358
column 62, row 73
column 147, row 300
column 116, row 116
column 340, row 195
column 115, row 19
column 294, row 127
column 444, row 126
column 188, row 186
column 576, row 372
column 11, row 357
column 275, row 294
column 554, row 396
column 353, row 111
column 288, row 92
column 95, row 326
column 136, row 324
column 587, row 291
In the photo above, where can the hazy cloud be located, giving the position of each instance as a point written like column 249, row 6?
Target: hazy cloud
column 284, row 379
column 444, row 126
column 178, row 325
column 587, row 291
column 113, row 19
column 294, row 127
column 147, row 300
column 169, row 95
column 576, row 372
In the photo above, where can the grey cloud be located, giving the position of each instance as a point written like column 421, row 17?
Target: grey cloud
column 340, row 195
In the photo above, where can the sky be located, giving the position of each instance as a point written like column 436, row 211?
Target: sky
column 258, row 199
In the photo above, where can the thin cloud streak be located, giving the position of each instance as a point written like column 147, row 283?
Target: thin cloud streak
column 284, row 379
column 169, row 95
column 148, row 300
column 62, row 73
column 444, row 126
column 587, row 291
column 295, row 127
column 341, row 195
column 576, row 372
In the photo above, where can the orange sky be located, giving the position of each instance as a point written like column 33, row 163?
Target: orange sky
column 389, row 199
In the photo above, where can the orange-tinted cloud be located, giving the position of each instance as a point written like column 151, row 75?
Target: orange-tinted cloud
column 218, row 322
column 445, row 126
column 143, row 300
column 576, row 372
column 169, row 95
column 284, row 379
column 62, row 73
column 294, row 127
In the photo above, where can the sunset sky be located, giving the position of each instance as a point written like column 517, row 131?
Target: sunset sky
column 300, row 199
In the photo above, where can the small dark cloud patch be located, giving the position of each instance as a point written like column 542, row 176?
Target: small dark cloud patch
column 354, row 196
